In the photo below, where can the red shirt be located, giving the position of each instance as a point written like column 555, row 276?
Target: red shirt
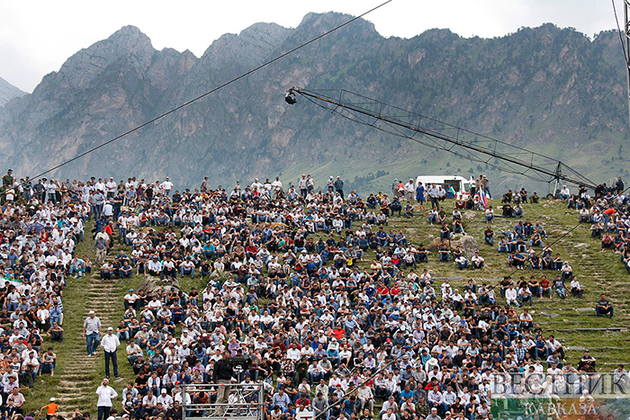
column 338, row 333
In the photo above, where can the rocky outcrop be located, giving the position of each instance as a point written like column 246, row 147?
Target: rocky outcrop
column 466, row 243
column 150, row 285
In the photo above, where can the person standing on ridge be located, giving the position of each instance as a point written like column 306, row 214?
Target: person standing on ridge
column 167, row 186
column 339, row 187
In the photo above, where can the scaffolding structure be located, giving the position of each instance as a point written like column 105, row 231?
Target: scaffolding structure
column 245, row 402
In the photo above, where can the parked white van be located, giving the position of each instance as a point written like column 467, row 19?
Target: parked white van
column 460, row 185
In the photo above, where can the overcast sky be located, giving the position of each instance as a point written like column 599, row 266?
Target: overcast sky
column 36, row 37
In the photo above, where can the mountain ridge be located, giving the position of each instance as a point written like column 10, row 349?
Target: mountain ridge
column 8, row 92
column 548, row 88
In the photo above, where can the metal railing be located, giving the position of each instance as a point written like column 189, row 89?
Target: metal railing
column 245, row 402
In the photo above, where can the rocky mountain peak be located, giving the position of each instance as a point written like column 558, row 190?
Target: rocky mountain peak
column 87, row 64
column 546, row 88
column 8, row 92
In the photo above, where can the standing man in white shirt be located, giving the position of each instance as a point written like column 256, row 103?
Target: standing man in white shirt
column 110, row 344
column 111, row 188
column 276, row 187
column 433, row 193
column 167, row 186
column 410, row 190
column 105, row 396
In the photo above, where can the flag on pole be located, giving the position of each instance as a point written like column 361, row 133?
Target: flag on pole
column 483, row 199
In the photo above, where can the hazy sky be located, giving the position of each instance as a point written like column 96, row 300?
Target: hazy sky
column 36, row 37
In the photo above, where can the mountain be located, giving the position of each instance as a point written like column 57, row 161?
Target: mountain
column 547, row 89
column 8, row 92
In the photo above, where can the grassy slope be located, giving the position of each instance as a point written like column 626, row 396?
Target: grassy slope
column 599, row 272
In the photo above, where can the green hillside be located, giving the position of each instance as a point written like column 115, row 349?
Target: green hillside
column 572, row 321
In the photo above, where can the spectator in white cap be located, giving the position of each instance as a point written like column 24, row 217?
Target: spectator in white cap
column 105, row 396
column 110, row 344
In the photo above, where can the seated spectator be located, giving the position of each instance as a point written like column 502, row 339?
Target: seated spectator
column 534, row 262
column 587, row 361
column 518, row 260
column 445, row 233
column 511, row 296
column 462, row 262
column 489, row 236
column 566, row 270
column 107, row 271
column 457, row 227
column 55, row 332
column 534, row 198
column 503, row 246
column 525, row 295
column 408, row 210
column 576, row 288
column 603, row 307
column 422, row 255
column 536, row 240
column 477, row 261
column 597, row 229
column 489, row 214
column 444, row 253
column 545, row 287
column 125, row 271
column 607, row 242
column 433, row 216
column 558, row 284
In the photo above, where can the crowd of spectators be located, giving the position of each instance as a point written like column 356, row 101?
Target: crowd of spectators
column 37, row 250
column 335, row 312
column 286, row 288
column 608, row 214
